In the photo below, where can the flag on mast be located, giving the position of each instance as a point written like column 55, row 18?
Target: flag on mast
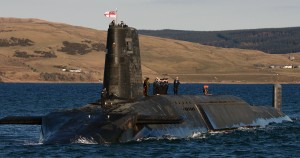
column 111, row 14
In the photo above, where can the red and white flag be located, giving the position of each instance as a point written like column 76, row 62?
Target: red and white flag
column 111, row 14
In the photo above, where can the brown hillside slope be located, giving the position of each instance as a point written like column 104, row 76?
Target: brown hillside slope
column 33, row 50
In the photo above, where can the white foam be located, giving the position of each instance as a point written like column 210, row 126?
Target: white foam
column 170, row 137
column 32, row 143
column 246, row 128
column 84, row 140
column 264, row 122
column 198, row 135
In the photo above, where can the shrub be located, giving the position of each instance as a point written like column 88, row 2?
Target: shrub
column 75, row 48
column 22, row 54
column 13, row 41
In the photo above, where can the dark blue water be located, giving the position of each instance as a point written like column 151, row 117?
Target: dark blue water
column 275, row 140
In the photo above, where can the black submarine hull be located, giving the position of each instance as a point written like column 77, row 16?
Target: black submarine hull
column 157, row 116
column 123, row 114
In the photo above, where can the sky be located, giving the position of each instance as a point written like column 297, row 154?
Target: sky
column 198, row 15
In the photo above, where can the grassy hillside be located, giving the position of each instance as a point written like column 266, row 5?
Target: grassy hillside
column 273, row 41
column 33, row 50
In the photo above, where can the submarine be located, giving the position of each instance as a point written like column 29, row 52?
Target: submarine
column 124, row 114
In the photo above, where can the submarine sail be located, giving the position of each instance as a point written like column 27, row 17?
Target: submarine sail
column 122, row 72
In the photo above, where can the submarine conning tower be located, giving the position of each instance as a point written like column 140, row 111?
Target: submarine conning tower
column 122, row 72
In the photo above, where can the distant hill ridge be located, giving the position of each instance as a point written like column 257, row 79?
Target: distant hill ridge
column 18, row 20
column 269, row 40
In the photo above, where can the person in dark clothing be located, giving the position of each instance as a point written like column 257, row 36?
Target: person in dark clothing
column 165, row 86
column 112, row 23
column 156, row 86
column 146, row 86
column 162, row 86
column 176, row 85
column 103, row 96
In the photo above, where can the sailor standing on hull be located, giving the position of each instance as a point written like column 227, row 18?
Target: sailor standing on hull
column 156, row 86
column 146, row 86
column 176, row 86
column 205, row 90
column 103, row 96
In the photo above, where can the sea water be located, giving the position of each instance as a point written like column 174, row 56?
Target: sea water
column 273, row 140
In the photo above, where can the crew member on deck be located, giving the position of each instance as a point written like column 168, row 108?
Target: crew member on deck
column 176, row 86
column 112, row 23
column 205, row 89
column 156, row 86
column 103, row 96
column 146, row 86
column 164, row 85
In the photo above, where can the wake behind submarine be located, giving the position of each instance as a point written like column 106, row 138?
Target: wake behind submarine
column 124, row 114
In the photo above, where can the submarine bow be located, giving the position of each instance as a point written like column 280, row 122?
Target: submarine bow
column 124, row 114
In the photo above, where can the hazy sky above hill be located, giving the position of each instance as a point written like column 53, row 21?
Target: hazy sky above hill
column 200, row 15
